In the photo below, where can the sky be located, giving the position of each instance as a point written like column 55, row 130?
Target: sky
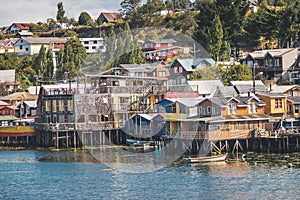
column 12, row 11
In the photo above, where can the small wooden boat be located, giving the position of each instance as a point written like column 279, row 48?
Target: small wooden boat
column 139, row 143
column 216, row 158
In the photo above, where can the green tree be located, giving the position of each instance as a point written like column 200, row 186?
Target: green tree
column 216, row 38
column 289, row 25
column 128, row 6
column 235, row 73
column 85, row 19
column 207, row 73
column 43, row 64
column 70, row 58
column 60, row 12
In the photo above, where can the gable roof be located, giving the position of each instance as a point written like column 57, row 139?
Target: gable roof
column 190, row 64
column 272, row 52
column 111, row 16
column 247, row 86
column 188, row 102
column 42, row 40
column 140, row 67
column 19, row 96
column 205, row 87
column 23, row 26
column 282, row 88
column 7, row 75
column 294, row 100
column 8, row 42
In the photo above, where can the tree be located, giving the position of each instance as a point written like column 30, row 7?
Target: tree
column 60, row 11
column 128, row 6
column 216, row 38
column 235, row 73
column 70, row 58
column 85, row 19
column 289, row 26
column 207, row 73
column 43, row 64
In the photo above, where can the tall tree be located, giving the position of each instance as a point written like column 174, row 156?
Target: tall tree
column 216, row 38
column 60, row 12
column 43, row 64
column 70, row 58
column 85, row 19
column 289, row 25
column 128, row 6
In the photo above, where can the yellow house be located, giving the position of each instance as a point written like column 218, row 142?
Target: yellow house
column 276, row 104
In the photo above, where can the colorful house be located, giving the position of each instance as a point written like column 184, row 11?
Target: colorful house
column 225, row 118
column 276, row 104
column 159, row 50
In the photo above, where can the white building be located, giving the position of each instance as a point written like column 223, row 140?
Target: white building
column 93, row 45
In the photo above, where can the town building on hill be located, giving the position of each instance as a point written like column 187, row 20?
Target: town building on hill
column 109, row 17
column 273, row 63
column 7, row 45
column 20, row 27
column 32, row 45
column 93, row 45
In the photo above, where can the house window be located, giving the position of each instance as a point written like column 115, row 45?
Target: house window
column 268, row 62
column 162, row 74
column 278, row 103
column 61, row 118
column 297, row 108
column 170, row 44
column 202, row 111
column 61, row 105
column 154, row 73
column 54, row 106
column 93, row 47
column 95, row 41
column 175, row 70
column 21, row 47
column 208, row 110
column 173, row 108
column 158, row 45
column 47, row 106
column 180, row 69
column 70, row 105
column 277, row 62
column 255, row 108
column 250, row 110
column 86, row 42
column 26, row 49
column 231, row 108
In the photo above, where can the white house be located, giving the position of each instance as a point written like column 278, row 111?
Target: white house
column 93, row 45
column 32, row 45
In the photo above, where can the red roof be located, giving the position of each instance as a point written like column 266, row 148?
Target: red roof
column 170, row 95
column 24, row 26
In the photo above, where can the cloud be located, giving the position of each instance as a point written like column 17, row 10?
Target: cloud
column 41, row 10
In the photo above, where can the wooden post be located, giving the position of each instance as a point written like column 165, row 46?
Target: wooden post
column 297, row 143
column 287, row 144
column 57, row 145
column 67, row 139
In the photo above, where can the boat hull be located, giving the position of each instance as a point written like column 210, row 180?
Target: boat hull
column 216, row 158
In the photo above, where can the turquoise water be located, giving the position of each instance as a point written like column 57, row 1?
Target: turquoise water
column 75, row 175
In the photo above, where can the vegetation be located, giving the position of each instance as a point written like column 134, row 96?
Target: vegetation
column 220, row 26
column 224, row 73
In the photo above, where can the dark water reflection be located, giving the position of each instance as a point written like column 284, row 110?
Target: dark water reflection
column 77, row 175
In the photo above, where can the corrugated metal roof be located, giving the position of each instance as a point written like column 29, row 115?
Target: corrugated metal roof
column 205, row 87
column 7, row 75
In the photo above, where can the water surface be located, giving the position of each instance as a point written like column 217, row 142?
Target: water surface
column 34, row 174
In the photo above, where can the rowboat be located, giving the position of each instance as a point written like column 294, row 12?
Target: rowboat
column 139, row 143
column 215, row 158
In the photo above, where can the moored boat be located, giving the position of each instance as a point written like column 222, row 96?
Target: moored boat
column 215, row 158
column 139, row 143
